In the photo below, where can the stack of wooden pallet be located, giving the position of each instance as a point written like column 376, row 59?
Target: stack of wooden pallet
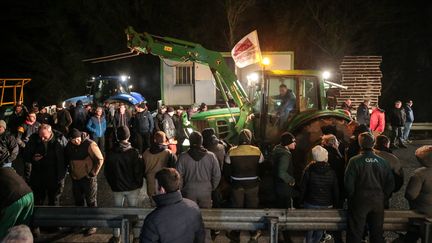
column 362, row 75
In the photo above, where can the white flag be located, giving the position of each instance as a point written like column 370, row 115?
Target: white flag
column 247, row 50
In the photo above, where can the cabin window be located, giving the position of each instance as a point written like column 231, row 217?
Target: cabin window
column 185, row 74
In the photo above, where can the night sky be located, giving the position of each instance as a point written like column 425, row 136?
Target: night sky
column 46, row 40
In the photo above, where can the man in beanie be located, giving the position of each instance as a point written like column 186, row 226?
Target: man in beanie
column 283, row 170
column 142, row 126
column 124, row 171
column 62, row 119
column 368, row 178
column 155, row 158
column 200, row 172
column 8, row 146
column 319, row 187
column 241, row 169
column 85, row 161
column 418, row 189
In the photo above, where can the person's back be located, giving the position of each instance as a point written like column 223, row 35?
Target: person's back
column 175, row 219
column 155, row 158
column 368, row 178
column 79, row 117
column 363, row 116
column 200, row 172
column 419, row 188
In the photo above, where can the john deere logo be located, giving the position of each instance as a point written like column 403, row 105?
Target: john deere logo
column 168, row 48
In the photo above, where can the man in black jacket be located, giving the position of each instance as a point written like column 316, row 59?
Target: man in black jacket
column 363, row 115
column 142, row 125
column 397, row 121
column 8, row 146
column 368, row 182
column 124, row 171
column 175, row 219
column 46, row 170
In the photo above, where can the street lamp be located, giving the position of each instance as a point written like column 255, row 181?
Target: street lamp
column 265, row 61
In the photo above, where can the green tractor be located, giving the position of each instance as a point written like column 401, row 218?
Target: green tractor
column 302, row 109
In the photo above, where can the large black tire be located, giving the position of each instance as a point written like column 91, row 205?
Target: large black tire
column 309, row 134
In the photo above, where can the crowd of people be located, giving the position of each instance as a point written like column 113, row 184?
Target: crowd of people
column 136, row 149
column 400, row 119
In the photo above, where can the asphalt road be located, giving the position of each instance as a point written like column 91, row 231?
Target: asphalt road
column 105, row 199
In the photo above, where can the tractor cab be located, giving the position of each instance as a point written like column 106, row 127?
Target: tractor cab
column 102, row 88
column 281, row 96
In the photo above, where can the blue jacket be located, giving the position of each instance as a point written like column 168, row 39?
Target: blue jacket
column 409, row 114
column 96, row 127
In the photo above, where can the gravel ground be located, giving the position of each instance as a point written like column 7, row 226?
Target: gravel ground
column 105, row 199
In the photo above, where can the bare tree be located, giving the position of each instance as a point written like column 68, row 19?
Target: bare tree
column 234, row 10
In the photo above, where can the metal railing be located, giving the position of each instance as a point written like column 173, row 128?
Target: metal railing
column 421, row 126
column 14, row 85
column 225, row 219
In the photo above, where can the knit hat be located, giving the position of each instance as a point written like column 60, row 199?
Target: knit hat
column 424, row 155
column 208, row 132
column 366, row 140
column 123, row 133
column 75, row 133
column 196, row 139
column 3, row 124
column 170, row 109
column 320, row 154
column 287, row 139
column 245, row 137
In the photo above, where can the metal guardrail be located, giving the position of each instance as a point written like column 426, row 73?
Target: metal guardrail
column 421, row 126
column 225, row 219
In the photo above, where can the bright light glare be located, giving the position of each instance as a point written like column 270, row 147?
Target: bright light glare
column 253, row 77
column 130, row 86
column 266, row 61
column 123, row 78
column 326, row 75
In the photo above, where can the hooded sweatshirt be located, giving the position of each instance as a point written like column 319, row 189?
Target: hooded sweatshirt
column 377, row 120
column 155, row 158
column 124, row 169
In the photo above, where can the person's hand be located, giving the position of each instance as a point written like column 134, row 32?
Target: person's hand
column 37, row 157
column 292, row 183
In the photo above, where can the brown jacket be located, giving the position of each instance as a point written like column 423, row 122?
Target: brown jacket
column 84, row 160
column 154, row 161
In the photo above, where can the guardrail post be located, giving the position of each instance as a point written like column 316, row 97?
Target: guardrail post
column 273, row 227
column 124, row 231
column 427, row 231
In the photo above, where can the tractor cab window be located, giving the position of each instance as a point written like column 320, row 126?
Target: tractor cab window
column 282, row 95
column 308, row 93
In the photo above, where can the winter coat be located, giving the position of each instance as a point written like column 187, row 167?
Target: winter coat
column 52, row 166
column 15, row 120
column 217, row 147
column 319, row 185
column 12, row 188
column 367, row 177
column 179, row 125
column 155, row 158
column 158, row 121
column 124, row 168
column 143, row 122
column 97, row 126
column 63, row 120
column 79, row 118
column 409, row 113
column 26, row 130
column 9, row 148
column 200, row 174
column 121, row 120
column 377, row 120
column 363, row 116
column 337, row 163
column 168, row 126
column 419, row 189
column 282, row 164
column 397, row 117
column 85, row 159
column 44, row 118
column 395, row 165
column 175, row 219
